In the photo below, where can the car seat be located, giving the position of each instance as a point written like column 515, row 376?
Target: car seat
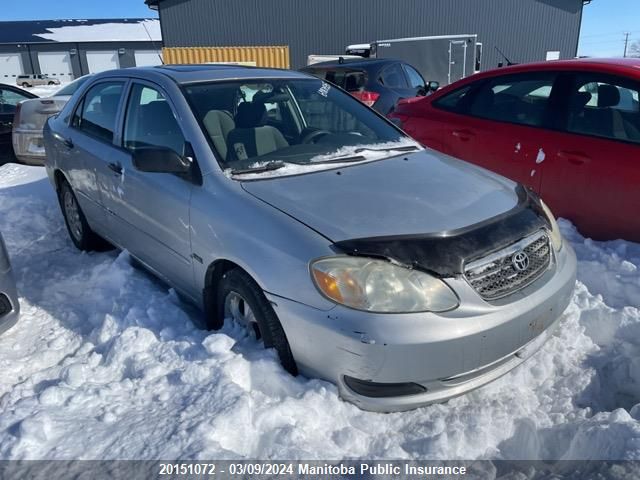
column 219, row 123
column 251, row 138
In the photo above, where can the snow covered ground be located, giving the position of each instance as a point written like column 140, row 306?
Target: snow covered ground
column 106, row 362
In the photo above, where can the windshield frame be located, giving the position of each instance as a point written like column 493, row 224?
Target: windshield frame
column 222, row 163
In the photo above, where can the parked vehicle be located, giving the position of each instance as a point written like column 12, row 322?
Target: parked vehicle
column 359, row 49
column 379, row 84
column 36, row 80
column 275, row 200
column 9, row 305
column 29, row 121
column 443, row 59
column 10, row 97
column 570, row 130
column 314, row 59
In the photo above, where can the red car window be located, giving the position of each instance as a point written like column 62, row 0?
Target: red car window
column 604, row 107
column 521, row 99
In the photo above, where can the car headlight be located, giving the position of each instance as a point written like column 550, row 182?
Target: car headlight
column 556, row 236
column 375, row 285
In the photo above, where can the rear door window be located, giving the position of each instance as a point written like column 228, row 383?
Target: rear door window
column 606, row 107
column 97, row 112
column 520, row 99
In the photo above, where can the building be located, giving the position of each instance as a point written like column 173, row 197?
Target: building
column 524, row 30
column 67, row 49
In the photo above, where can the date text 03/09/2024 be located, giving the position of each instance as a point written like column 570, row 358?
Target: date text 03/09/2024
column 309, row 468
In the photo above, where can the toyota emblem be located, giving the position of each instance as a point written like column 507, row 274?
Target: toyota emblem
column 520, row 261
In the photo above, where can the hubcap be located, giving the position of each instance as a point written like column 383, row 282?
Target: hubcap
column 73, row 215
column 237, row 309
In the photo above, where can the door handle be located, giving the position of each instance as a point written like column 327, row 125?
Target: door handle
column 463, row 135
column 67, row 142
column 115, row 167
column 574, row 158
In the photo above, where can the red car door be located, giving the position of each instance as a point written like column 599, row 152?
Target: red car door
column 592, row 171
column 505, row 126
column 426, row 124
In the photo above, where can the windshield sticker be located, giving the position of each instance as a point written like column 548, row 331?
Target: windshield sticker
column 324, row 89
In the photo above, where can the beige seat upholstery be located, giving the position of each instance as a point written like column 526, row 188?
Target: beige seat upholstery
column 218, row 124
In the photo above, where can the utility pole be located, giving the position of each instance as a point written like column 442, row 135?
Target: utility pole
column 626, row 42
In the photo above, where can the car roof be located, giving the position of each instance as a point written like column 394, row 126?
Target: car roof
column 628, row 67
column 611, row 65
column 183, row 74
column 365, row 63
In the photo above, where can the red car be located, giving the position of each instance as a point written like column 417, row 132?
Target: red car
column 570, row 130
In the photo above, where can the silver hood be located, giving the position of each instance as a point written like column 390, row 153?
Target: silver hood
column 419, row 193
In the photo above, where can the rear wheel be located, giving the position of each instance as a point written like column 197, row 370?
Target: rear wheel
column 241, row 300
column 25, row 84
column 79, row 230
column 52, row 83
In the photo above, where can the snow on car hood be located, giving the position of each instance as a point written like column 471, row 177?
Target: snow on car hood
column 421, row 192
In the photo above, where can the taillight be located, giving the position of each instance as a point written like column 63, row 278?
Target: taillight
column 16, row 116
column 368, row 98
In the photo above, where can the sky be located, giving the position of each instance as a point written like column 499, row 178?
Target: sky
column 604, row 22
column 81, row 9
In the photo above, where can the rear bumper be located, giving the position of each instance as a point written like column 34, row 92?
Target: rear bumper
column 28, row 146
column 446, row 355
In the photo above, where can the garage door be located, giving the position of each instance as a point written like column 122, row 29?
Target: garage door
column 101, row 61
column 147, row 58
column 10, row 67
column 56, row 65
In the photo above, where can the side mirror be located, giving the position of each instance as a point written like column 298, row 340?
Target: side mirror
column 433, row 86
column 160, row 160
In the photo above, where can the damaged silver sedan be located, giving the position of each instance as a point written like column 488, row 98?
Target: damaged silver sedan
column 275, row 200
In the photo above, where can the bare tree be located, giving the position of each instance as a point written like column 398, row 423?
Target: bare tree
column 634, row 49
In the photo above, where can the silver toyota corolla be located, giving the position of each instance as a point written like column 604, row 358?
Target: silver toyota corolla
column 276, row 200
column 9, row 306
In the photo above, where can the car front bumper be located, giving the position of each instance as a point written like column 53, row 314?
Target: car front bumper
column 445, row 354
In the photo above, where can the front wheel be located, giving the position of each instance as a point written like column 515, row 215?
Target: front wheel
column 79, row 230
column 25, row 84
column 52, row 83
column 241, row 300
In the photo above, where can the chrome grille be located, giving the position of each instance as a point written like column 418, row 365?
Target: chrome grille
column 502, row 273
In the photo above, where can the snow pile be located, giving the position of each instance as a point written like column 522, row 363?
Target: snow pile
column 368, row 152
column 106, row 362
column 139, row 31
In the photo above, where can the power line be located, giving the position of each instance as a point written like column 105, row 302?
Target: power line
column 619, row 32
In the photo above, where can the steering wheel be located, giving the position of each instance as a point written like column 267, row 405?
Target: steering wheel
column 311, row 136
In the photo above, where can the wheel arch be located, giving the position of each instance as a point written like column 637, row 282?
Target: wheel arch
column 213, row 276
column 59, row 177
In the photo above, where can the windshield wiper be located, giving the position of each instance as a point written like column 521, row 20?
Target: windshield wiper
column 267, row 167
column 405, row 148
column 344, row 159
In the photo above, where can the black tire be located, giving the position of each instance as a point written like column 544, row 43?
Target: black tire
column 239, row 282
column 25, row 84
column 51, row 83
column 79, row 230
